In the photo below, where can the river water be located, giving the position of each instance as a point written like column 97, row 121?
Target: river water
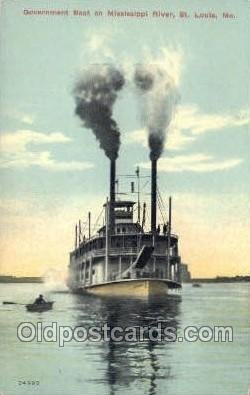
column 133, row 367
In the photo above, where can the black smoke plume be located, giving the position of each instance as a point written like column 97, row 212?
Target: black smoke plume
column 159, row 97
column 95, row 94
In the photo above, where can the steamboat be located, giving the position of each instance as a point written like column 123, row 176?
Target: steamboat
column 123, row 258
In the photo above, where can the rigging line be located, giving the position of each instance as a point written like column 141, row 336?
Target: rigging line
column 146, row 183
column 96, row 227
column 83, row 228
column 159, row 194
column 160, row 208
column 159, row 200
column 97, row 220
column 162, row 202
column 164, row 214
column 131, row 176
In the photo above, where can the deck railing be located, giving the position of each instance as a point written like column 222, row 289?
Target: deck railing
column 126, row 251
column 116, row 251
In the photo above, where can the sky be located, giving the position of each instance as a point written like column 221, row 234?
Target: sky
column 52, row 168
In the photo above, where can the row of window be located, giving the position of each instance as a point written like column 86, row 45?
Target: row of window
column 121, row 230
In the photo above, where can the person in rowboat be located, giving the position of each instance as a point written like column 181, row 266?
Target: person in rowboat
column 39, row 300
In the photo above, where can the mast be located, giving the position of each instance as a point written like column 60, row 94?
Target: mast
column 76, row 237
column 107, row 240
column 143, row 215
column 137, row 172
column 79, row 233
column 89, row 223
column 169, row 234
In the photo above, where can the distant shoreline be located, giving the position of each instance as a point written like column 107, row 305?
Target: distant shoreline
column 222, row 279
column 14, row 279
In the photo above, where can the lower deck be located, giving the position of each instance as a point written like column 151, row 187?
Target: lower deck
column 144, row 287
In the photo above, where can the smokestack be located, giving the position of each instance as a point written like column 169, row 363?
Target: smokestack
column 112, row 195
column 153, row 193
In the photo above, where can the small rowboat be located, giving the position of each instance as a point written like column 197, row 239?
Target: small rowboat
column 196, row 285
column 39, row 307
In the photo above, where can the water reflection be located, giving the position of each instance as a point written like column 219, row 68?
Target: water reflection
column 132, row 362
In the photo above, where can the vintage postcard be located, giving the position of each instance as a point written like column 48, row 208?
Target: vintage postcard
column 124, row 162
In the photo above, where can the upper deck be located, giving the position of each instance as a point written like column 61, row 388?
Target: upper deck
column 127, row 237
column 125, row 244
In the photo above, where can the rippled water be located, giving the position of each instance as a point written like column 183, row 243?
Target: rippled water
column 148, row 367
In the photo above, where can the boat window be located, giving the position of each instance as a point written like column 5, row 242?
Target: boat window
column 123, row 230
column 118, row 230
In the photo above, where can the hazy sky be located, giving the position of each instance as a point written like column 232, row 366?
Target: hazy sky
column 52, row 169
